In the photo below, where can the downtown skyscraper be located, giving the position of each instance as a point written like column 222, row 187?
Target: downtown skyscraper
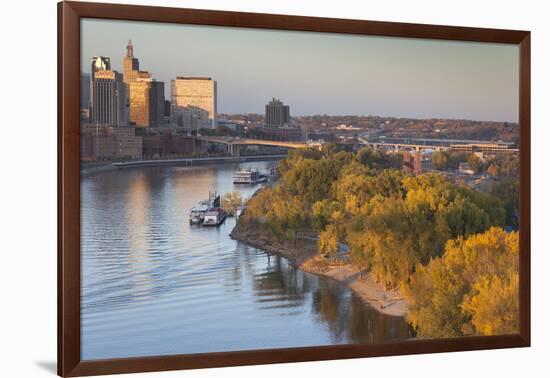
column 145, row 95
column 194, row 102
column 108, row 94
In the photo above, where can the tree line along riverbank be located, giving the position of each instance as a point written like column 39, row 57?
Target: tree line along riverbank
column 418, row 246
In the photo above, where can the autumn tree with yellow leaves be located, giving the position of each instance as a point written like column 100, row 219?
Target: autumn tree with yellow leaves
column 471, row 290
column 442, row 244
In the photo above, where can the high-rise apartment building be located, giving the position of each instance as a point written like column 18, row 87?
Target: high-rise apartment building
column 277, row 114
column 108, row 94
column 194, row 102
column 145, row 95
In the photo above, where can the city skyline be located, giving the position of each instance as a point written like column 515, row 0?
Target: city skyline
column 321, row 73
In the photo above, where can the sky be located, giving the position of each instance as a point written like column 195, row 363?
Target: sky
column 320, row 73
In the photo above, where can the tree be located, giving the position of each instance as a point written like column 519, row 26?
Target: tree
column 378, row 159
column 493, row 169
column 322, row 212
column 509, row 166
column 396, row 226
column 455, row 158
column 232, row 202
column 285, row 214
column 257, row 208
column 332, row 148
column 359, row 248
column 494, row 306
column 470, row 290
column 311, row 179
column 475, row 162
column 439, row 160
column 507, row 190
column 328, row 241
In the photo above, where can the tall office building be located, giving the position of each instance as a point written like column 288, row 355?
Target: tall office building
column 157, row 103
column 146, row 102
column 131, row 66
column 108, row 94
column 277, row 114
column 145, row 95
column 100, row 63
column 194, row 102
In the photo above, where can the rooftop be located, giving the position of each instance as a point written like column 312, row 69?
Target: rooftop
column 193, row 78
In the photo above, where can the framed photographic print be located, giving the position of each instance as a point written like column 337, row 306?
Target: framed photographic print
column 239, row 188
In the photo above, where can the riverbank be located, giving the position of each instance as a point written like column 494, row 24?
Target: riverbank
column 304, row 255
column 185, row 162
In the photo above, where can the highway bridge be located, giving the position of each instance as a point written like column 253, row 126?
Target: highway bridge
column 490, row 148
column 234, row 144
column 441, row 144
column 468, row 146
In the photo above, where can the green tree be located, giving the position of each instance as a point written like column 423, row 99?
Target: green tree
column 378, row 159
column 507, row 190
column 439, row 160
column 455, row 158
column 311, row 179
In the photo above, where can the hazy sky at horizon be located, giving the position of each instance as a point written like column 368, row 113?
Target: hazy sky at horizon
column 320, row 73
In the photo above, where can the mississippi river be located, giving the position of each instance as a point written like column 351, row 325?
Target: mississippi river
column 154, row 285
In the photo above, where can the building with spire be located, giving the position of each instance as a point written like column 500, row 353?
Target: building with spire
column 130, row 66
column 145, row 95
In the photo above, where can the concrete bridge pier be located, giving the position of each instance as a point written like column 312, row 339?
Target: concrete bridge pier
column 234, row 150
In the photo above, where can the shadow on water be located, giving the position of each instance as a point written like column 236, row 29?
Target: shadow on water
column 154, row 285
column 343, row 313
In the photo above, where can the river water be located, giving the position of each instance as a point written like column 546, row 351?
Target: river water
column 154, row 285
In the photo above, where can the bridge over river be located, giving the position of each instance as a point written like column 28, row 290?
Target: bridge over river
column 234, row 144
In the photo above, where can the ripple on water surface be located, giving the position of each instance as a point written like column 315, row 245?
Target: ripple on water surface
column 154, row 285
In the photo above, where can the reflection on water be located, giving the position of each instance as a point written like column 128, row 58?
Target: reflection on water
column 154, row 285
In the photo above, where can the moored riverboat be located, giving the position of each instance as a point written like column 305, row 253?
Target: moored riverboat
column 196, row 215
column 214, row 217
column 250, row 176
column 198, row 212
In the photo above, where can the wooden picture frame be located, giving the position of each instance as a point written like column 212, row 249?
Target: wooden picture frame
column 69, row 16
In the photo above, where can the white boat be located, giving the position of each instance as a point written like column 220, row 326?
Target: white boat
column 214, row 217
column 250, row 176
column 196, row 215
column 198, row 212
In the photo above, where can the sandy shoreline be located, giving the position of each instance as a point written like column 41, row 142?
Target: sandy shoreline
column 305, row 257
